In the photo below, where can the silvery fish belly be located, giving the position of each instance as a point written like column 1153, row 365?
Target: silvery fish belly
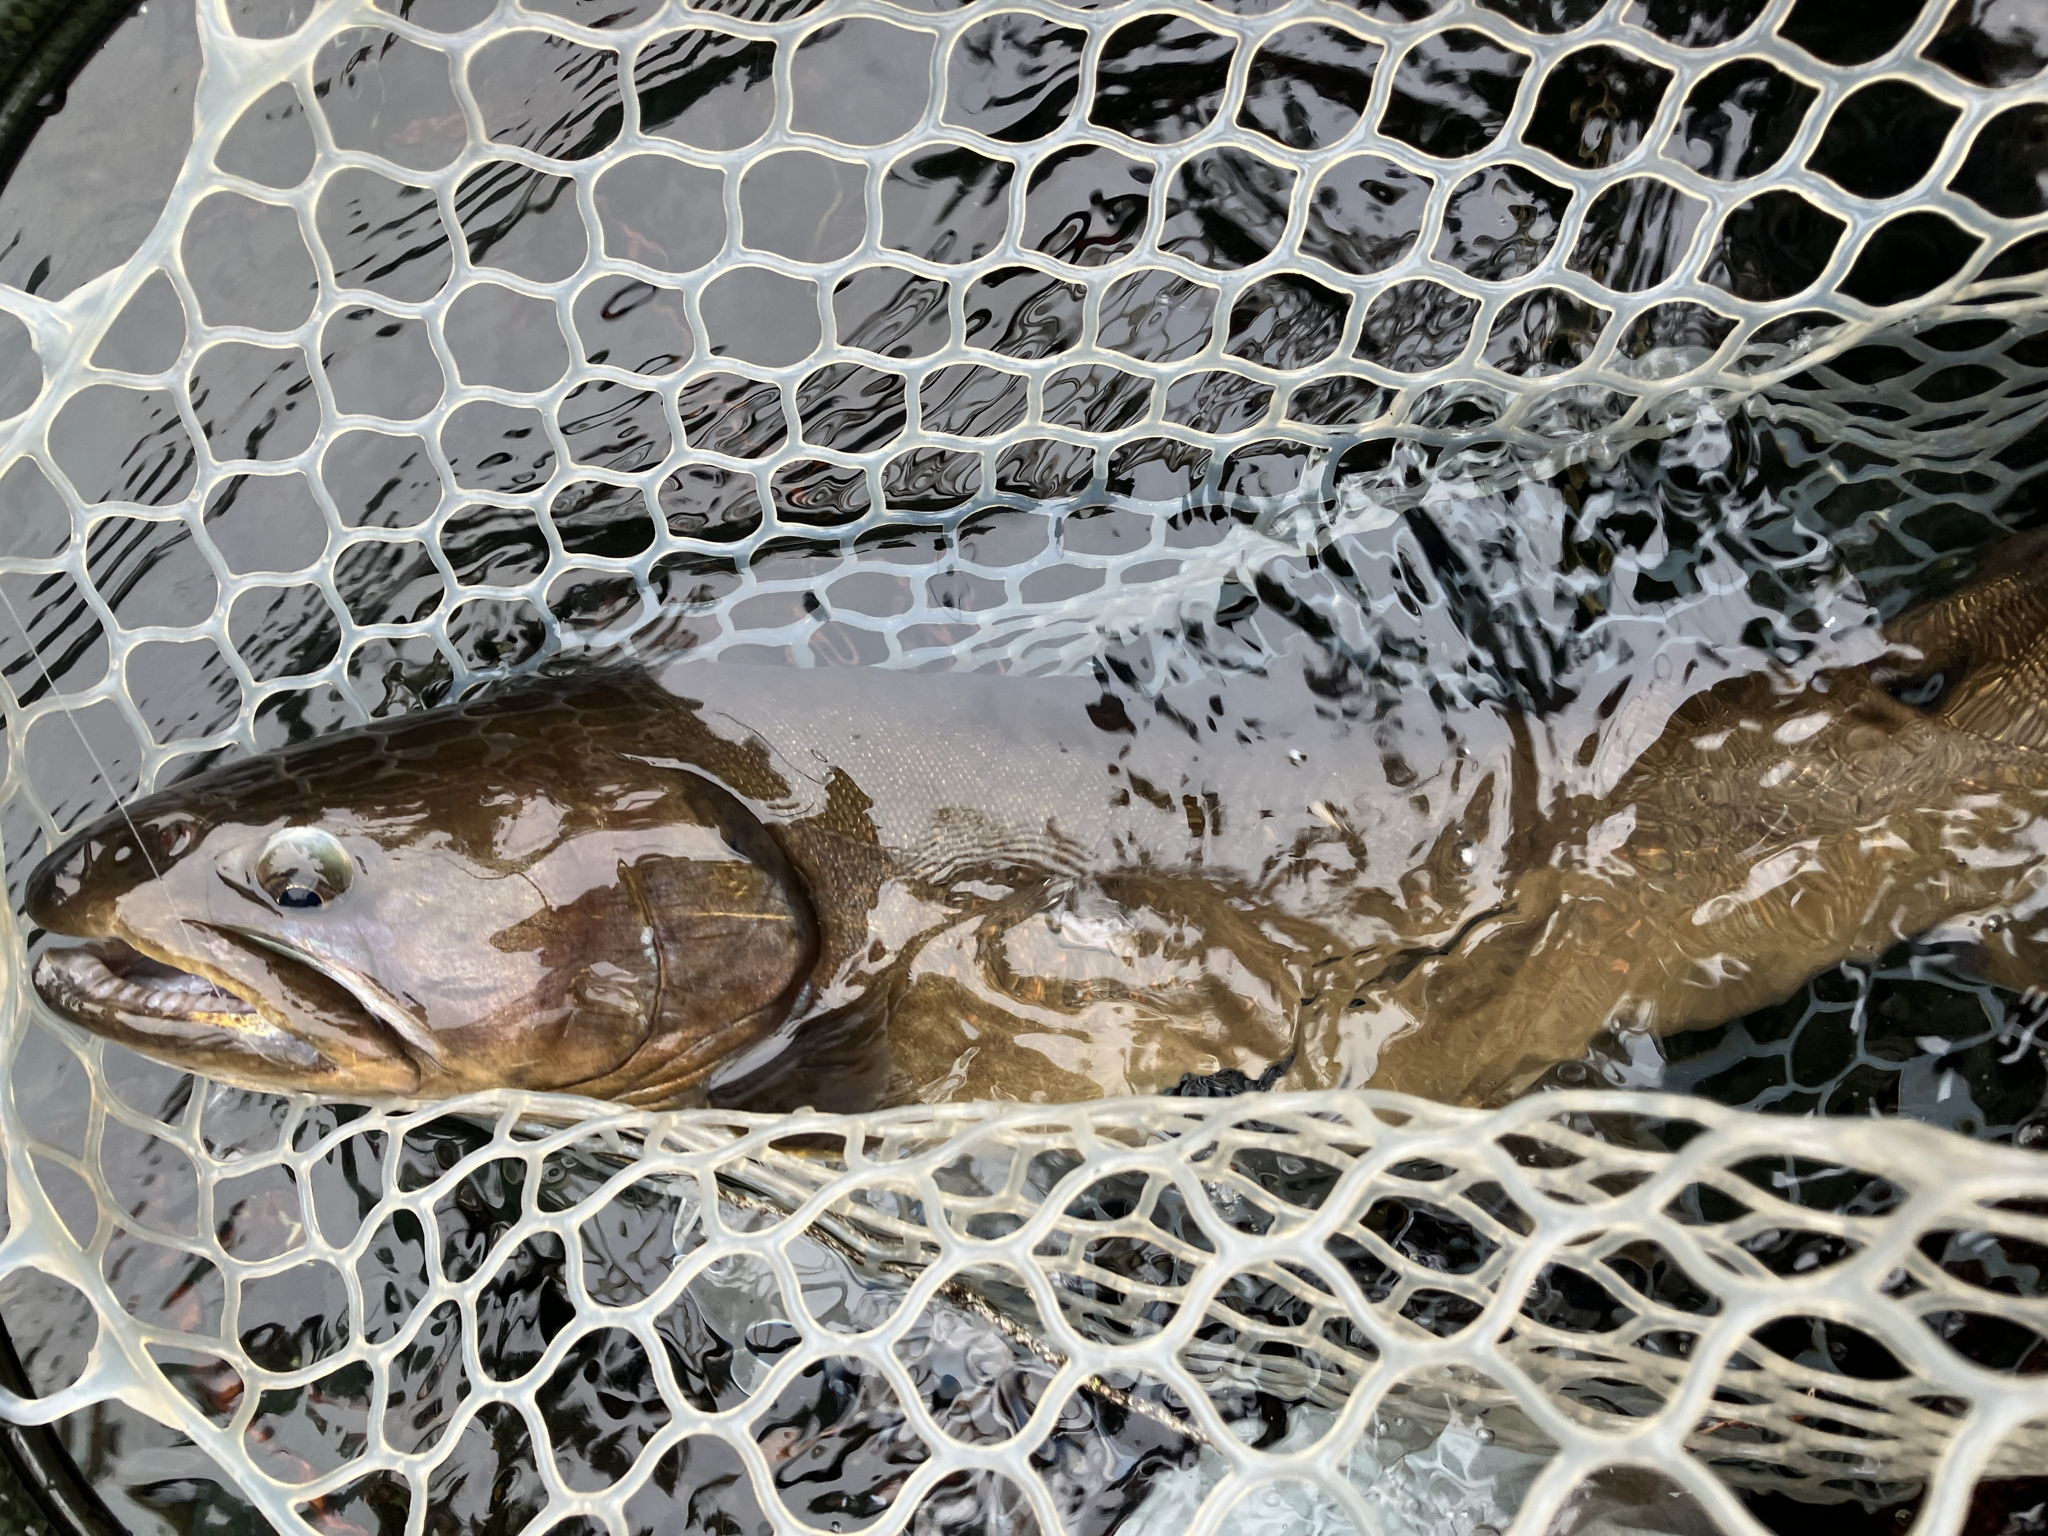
column 769, row 888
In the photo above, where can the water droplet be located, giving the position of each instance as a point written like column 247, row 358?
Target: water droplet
column 1995, row 923
column 1468, row 854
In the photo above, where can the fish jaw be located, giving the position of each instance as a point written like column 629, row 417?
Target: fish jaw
column 139, row 956
column 263, row 1020
column 113, row 989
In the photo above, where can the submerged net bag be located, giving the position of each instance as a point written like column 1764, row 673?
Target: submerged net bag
column 1024, row 336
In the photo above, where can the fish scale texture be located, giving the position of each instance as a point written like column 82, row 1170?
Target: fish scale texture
column 906, row 334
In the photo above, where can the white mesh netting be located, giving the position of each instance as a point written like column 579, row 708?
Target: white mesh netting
column 1575, row 1313
column 992, row 335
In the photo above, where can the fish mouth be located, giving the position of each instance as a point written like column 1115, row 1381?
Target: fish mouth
column 288, row 1024
column 112, row 978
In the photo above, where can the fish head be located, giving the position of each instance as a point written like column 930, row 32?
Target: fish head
column 513, row 895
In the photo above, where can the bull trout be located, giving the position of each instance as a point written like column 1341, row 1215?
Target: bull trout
column 764, row 888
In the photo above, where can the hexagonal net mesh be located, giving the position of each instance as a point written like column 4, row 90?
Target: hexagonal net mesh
column 1000, row 335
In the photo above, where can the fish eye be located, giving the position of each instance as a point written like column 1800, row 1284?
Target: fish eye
column 302, row 868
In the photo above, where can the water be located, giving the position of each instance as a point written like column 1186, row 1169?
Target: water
column 1710, row 535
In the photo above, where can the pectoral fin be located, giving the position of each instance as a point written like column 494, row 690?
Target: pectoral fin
column 1459, row 1023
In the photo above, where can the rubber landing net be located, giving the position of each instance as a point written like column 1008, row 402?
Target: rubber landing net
column 1001, row 336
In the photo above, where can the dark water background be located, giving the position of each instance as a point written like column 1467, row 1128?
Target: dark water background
column 1506, row 591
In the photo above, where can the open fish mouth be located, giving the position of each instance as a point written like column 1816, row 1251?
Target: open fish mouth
column 112, row 979
column 288, row 1021
column 113, row 988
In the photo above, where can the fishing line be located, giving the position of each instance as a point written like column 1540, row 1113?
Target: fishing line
column 120, row 804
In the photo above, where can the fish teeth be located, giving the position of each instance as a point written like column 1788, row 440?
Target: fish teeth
column 170, row 994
